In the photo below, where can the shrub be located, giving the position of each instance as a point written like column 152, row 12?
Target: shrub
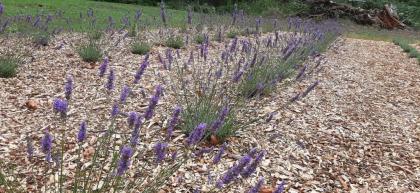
column 41, row 38
column 94, row 35
column 133, row 30
column 199, row 39
column 206, row 109
column 232, row 34
column 140, row 48
column 175, row 42
column 267, row 68
column 90, row 52
column 8, row 66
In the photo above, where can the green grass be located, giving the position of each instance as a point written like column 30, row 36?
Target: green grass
column 102, row 10
column 353, row 30
column 404, row 44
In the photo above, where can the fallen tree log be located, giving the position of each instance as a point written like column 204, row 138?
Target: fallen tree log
column 386, row 17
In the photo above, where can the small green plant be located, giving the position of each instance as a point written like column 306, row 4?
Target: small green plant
column 205, row 110
column 41, row 38
column 95, row 35
column 8, row 66
column 90, row 52
column 199, row 39
column 175, row 42
column 140, row 48
column 232, row 34
column 261, row 78
column 133, row 30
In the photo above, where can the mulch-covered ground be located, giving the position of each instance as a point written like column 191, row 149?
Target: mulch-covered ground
column 357, row 131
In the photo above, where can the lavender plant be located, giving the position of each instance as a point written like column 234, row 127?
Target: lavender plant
column 90, row 52
column 175, row 42
column 8, row 66
column 140, row 48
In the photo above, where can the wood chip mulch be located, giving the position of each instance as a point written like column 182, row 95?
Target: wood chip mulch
column 357, row 131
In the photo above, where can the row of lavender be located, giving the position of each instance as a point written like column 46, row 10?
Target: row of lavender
column 208, row 90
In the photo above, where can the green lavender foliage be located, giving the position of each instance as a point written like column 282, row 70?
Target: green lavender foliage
column 205, row 109
column 140, row 48
column 175, row 42
column 232, row 34
column 8, row 66
column 90, row 52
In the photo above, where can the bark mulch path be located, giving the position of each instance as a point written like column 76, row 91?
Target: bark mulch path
column 358, row 131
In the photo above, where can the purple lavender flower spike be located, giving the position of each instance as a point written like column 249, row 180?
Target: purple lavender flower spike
column 68, row 87
column 29, row 148
column 1, row 9
column 280, row 187
column 270, row 117
column 162, row 12
column 310, row 88
column 49, row 18
column 138, row 15
column 103, row 67
column 124, row 163
column 135, row 134
column 132, row 118
column 153, row 102
column 301, row 72
column 233, row 45
column 173, row 122
column 115, row 110
column 162, row 61
column 215, row 126
column 189, row 16
column 160, row 151
column 111, row 78
column 46, row 145
column 124, row 94
column 238, row 76
column 219, row 154
column 174, row 155
column 203, row 151
column 37, row 21
column 81, row 136
column 257, row 186
column 233, row 172
column 219, row 73
column 249, row 170
column 253, row 152
column 90, row 12
column 295, row 98
column 60, row 106
column 169, row 57
column 141, row 70
column 197, row 134
column 159, row 90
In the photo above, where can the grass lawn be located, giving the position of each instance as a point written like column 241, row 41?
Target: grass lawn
column 353, row 30
column 102, row 10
